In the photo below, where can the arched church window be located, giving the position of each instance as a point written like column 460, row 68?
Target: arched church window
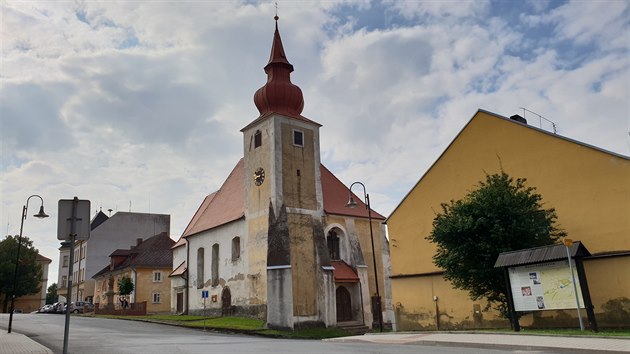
column 215, row 264
column 236, row 248
column 200, row 268
column 332, row 241
column 257, row 139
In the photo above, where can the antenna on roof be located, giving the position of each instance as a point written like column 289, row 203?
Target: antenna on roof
column 130, row 206
column 540, row 119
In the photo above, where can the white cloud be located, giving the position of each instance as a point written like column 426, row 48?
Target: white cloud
column 143, row 101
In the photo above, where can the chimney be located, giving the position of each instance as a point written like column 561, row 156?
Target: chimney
column 519, row 119
column 138, row 241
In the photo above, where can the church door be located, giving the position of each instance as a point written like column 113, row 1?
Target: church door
column 226, row 302
column 344, row 305
column 180, row 302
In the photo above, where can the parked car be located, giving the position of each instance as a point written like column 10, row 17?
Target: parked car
column 47, row 308
column 59, row 307
column 80, row 305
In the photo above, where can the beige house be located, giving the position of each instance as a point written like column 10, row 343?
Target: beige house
column 148, row 265
column 33, row 302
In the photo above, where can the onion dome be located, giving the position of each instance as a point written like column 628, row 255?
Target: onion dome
column 279, row 95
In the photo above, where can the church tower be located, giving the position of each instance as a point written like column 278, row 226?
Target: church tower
column 284, row 204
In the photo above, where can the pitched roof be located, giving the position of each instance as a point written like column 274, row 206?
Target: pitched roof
column 222, row 206
column 227, row 204
column 179, row 271
column 98, row 219
column 336, row 197
column 44, row 259
column 540, row 255
column 179, row 242
column 152, row 252
column 512, row 121
column 344, row 273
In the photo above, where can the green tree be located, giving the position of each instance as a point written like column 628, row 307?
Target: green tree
column 125, row 286
column 29, row 271
column 51, row 294
column 501, row 215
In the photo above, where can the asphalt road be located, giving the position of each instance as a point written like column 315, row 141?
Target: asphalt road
column 101, row 335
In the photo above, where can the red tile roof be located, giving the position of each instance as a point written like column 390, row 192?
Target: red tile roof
column 179, row 243
column 344, row 273
column 152, row 252
column 180, row 270
column 227, row 204
column 222, row 206
column 336, row 197
column 41, row 258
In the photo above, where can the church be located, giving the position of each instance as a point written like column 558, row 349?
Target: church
column 279, row 240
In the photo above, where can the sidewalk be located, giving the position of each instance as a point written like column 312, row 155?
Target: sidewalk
column 573, row 344
column 15, row 343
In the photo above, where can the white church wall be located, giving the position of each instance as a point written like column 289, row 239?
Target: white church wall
column 231, row 273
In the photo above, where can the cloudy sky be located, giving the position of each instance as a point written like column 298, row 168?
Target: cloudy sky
column 138, row 104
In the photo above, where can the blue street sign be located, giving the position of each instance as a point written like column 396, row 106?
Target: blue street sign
column 204, row 294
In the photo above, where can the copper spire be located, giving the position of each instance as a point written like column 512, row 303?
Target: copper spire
column 279, row 95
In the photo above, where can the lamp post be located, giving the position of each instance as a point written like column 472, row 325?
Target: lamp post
column 353, row 204
column 568, row 243
column 40, row 215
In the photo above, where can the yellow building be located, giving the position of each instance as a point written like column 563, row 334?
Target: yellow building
column 148, row 265
column 33, row 302
column 589, row 188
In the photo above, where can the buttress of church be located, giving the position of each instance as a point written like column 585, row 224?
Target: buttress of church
column 277, row 241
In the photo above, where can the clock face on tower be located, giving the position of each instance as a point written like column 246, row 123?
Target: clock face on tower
column 259, row 176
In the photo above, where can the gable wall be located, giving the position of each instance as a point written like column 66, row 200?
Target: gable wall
column 589, row 189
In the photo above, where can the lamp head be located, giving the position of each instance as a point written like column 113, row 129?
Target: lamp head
column 351, row 203
column 41, row 213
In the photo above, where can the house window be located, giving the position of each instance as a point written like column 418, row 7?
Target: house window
column 65, row 261
column 64, row 281
column 215, row 264
column 298, row 138
column 332, row 241
column 157, row 276
column 200, row 268
column 236, row 248
column 84, row 250
column 257, row 139
column 156, row 298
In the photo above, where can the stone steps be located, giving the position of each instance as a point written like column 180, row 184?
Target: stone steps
column 353, row 327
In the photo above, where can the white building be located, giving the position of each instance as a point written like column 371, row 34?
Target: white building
column 121, row 230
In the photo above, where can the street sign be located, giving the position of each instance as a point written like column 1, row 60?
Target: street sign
column 204, row 294
column 82, row 220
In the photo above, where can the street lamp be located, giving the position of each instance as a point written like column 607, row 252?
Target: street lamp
column 353, row 204
column 40, row 215
column 568, row 243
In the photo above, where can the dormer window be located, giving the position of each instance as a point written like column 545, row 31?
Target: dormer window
column 298, row 138
column 257, row 139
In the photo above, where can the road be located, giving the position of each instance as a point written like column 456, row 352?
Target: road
column 102, row 335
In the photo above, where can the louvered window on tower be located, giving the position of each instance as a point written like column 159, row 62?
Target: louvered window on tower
column 298, row 138
column 257, row 139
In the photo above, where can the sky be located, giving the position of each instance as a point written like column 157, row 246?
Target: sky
column 138, row 105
